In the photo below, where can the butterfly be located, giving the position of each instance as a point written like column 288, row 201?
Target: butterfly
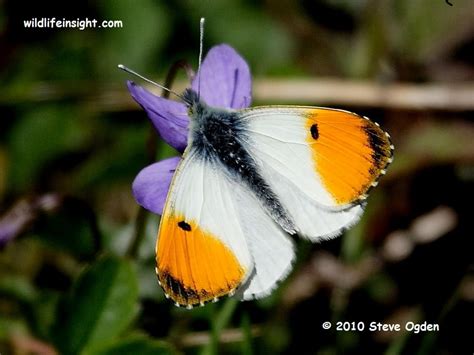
column 249, row 180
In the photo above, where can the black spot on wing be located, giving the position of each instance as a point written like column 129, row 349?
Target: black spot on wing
column 184, row 226
column 314, row 131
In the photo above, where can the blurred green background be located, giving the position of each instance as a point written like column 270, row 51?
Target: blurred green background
column 77, row 255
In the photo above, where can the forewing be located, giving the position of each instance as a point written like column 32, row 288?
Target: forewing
column 201, row 251
column 320, row 162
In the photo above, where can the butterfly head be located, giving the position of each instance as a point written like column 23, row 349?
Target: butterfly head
column 192, row 100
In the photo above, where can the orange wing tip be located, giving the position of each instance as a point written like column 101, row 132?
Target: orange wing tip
column 350, row 152
column 193, row 265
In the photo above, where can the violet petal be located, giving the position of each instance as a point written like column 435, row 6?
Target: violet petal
column 169, row 117
column 226, row 80
column 151, row 185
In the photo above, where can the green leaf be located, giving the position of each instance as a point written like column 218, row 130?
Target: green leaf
column 138, row 344
column 102, row 304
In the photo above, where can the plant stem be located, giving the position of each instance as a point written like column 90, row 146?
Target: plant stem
column 218, row 324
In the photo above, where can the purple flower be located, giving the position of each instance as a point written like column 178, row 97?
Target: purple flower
column 225, row 82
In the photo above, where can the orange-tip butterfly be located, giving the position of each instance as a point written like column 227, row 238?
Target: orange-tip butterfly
column 251, row 178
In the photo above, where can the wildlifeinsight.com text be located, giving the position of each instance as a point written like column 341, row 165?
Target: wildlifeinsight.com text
column 81, row 24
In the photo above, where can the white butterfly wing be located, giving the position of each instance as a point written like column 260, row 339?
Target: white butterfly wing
column 320, row 162
column 313, row 221
column 214, row 237
column 272, row 249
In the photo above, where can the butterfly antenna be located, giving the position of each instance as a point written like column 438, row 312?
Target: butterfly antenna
column 201, row 40
column 130, row 71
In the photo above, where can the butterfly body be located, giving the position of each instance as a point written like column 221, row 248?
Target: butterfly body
column 251, row 177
